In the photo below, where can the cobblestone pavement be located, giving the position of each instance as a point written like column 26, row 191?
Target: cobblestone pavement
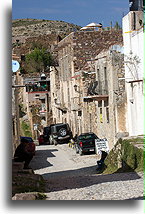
column 70, row 176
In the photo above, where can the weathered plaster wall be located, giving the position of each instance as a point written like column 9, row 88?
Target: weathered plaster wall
column 134, row 71
column 77, row 54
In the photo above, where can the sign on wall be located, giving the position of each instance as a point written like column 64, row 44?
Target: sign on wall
column 101, row 145
column 35, row 127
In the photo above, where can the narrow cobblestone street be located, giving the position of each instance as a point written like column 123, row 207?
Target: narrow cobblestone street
column 70, row 176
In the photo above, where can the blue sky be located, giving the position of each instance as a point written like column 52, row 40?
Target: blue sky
column 80, row 12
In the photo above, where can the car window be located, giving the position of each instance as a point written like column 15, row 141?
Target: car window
column 57, row 127
column 83, row 137
column 61, row 126
column 28, row 139
column 46, row 130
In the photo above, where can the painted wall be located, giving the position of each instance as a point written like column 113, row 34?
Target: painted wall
column 133, row 50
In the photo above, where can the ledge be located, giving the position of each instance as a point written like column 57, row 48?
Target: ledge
column 133, row 81
column 96, row 98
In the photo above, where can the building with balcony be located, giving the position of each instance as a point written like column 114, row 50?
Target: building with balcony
column 37, row 94
column 84, row 84
column 105, row 97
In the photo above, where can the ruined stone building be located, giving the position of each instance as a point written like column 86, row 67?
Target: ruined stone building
column 37, row 100
column 30, row 105
column 105, row 99
column 86, row 91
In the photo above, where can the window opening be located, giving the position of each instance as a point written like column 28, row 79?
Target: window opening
column 101, row 116
column 107, row 114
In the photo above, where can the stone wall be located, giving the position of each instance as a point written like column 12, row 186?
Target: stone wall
column 87, row 45
column 77, row 55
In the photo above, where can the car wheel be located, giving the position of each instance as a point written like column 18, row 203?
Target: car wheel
column 63, row 132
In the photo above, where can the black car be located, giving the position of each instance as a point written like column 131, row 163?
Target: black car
column 85, row 143
column 60, row 133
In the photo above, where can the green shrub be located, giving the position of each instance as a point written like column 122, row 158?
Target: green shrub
column 130, row 157
column 25, row 129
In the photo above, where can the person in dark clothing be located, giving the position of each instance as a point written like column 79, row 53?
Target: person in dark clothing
column 75, row 137
column 22, row 154
column 103, row 155
column 100, row 163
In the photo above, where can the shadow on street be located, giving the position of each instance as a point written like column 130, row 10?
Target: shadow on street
column 83, row 177
column 76, row 178
column 40, row 161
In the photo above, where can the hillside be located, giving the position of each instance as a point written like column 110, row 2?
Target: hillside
column 24, row 28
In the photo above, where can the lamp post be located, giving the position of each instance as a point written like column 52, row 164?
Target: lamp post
column 77, row 89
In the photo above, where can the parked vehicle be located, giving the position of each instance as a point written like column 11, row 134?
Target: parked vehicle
column 29, row 144
column 46, row 133
column 25, row 151
column 60, row 133
column 41, row 139
column 85, row 143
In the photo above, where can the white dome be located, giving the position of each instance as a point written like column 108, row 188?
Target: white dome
column 91, row 25
column 43, row 75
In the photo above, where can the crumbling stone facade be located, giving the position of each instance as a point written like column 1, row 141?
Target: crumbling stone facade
column 79, row 95
column 106, row 96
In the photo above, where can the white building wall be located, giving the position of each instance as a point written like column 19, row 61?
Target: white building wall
column 133, row 50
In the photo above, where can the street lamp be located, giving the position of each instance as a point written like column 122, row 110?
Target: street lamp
column 77, row 89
